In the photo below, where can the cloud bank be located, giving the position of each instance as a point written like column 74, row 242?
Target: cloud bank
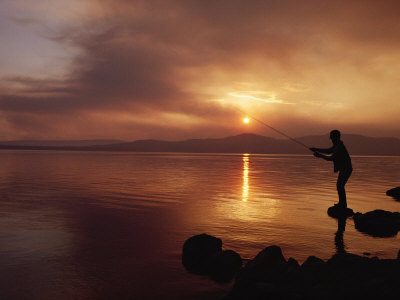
column 174, row 69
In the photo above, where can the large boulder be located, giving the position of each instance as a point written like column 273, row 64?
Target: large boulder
column 378, row 223
column 267, row 263
column 270, row 276
column 312, row 262
column 202, row 254
column 270, row 257
column 197, row 252
column 395, row 192
column 224, row 266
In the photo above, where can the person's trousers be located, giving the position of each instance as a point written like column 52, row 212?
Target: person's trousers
column 343, row 176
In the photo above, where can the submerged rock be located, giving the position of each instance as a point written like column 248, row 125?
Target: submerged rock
column 202, row 254
column 378, row 223
column 395, row 192
column 338, row 212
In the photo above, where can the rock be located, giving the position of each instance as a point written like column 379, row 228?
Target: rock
column 292, row 263
column 270, row 257
column 312, row 269
column 224, row 266
column 344, row 276
column 348, row 261
column 198, row 250
column 312, row 261
column 262, row 276
column 378, row 223
column 337, row 212
column 395, row 192
column 267, row 263
column 202, row 254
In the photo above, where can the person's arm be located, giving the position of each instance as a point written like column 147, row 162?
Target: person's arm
column 323, row 150
column 328, row 158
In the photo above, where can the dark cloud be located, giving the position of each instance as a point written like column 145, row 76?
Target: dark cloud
column 110, row 74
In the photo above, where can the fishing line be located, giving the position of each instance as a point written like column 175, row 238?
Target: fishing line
column 274, row 129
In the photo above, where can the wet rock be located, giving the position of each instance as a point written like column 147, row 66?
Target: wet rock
column 262, row 276
column 348, row 261
column 224, row 266
column 270, row 256
column 202, row 254
column 395, row 192
column 293, row 264
column 378, row 223
column 198, row 250
column 312, row 261
column 269, row 263
column 338, row 212
column 311, row 270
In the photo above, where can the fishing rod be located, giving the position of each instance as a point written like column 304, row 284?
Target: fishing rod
column 274, row 129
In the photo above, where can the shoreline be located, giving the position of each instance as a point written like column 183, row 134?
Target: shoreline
column 344, row 276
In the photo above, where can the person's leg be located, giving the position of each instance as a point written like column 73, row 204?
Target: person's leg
column 341, row 182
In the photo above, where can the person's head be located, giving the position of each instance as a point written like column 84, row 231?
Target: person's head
column 334, row 135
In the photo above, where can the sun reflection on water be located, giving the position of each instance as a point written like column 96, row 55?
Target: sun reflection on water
column 245, row 186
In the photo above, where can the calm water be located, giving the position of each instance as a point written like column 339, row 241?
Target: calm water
column 81, row 225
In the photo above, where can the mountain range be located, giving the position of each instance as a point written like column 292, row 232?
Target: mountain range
column 59, row 143
column 243, row 143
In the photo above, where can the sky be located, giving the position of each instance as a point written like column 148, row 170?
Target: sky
column 179, row 69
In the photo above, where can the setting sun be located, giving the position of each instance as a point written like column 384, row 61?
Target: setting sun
column 246, row 120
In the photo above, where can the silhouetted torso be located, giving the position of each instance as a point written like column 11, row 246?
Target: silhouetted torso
column 341, row 158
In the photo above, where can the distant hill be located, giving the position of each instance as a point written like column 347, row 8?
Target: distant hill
column 60, row 143
column 243, row 143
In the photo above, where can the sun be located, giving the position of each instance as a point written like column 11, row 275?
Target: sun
column 246, row 120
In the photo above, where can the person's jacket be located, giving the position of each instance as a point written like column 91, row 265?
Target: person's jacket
column 340, row 156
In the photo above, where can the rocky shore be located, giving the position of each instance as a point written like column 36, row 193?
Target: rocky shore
column 344, row 276
column 270, row 275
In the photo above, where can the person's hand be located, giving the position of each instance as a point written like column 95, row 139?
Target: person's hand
column 313, row 149
column 316, row 154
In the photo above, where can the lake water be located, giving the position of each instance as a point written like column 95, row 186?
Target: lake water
column 91, row 225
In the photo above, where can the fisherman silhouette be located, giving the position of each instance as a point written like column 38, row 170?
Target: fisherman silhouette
column 342, row 164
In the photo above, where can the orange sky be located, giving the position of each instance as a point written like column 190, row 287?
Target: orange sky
column 175, row 69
